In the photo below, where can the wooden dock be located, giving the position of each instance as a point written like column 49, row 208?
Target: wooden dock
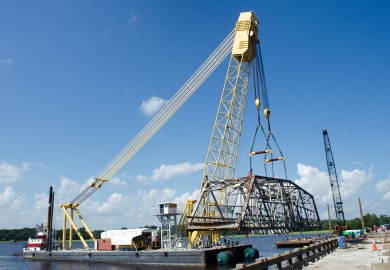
column 294, row 243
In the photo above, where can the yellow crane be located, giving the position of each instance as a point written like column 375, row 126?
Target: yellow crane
column 72, row 207
column 213, row 212
column 225, row 140
column 243, row 45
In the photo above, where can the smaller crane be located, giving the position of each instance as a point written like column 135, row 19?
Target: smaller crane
column 334, row 184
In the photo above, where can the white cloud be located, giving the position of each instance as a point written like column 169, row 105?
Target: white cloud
column 6, row 61
column 182, row 200
column 353, row 181
column 68, row 190
column 152, row 105
column 10, row 205
column 115, row 202
column 315, row 182
column 386, row 196
column 132, row 22
column 9, row 200
column 352, row 184
column 359, row 163
column 117, row 182
column 383, row 185
column 170, row 171
column 16, row 212
column 145, row 205
column 38, row 213
column 141, row 178
column 11, row 173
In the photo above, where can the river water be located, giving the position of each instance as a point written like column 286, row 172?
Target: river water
column 265, row 244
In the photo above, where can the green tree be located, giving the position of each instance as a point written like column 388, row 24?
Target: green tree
column 384, row 219
column 374, row 220
column 97, row 233
column 367, row 220
column 354, row 224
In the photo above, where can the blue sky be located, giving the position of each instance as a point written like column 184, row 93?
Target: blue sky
column 80, row 79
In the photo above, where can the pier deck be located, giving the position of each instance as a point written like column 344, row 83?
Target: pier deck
column 359, row 256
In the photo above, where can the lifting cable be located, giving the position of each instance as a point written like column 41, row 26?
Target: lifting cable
column 260, row 89
column 160, row 118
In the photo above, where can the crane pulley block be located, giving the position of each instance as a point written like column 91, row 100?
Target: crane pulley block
column 273, row 159
column 244, row 46
column 268, row 151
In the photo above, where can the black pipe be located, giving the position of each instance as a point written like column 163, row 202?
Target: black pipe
column 50, row 220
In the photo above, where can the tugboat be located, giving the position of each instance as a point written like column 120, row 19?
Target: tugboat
column 37, row 242
column 43, row 240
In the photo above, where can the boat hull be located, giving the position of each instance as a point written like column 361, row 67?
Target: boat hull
column 175, row 257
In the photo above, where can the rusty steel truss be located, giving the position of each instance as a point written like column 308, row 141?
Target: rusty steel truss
column 255, row 204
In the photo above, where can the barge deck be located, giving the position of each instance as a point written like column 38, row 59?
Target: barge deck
column 198, row 257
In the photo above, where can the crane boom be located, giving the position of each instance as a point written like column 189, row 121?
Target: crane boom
column 146, row 133
column 224, row 144
column 334, row 184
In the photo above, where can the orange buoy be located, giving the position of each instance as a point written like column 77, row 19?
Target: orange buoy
column 383, row 241
column 373, row 245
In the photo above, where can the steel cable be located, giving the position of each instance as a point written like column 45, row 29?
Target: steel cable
column 160, row 118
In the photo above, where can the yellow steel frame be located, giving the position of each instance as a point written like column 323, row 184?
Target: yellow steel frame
column 72, row 226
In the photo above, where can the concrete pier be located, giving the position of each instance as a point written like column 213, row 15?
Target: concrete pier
column 359, row 256
column 326, row 255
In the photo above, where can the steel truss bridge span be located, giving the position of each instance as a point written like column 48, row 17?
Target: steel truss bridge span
column 256, row 204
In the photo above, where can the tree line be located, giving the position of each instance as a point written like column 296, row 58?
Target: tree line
column 370, row 221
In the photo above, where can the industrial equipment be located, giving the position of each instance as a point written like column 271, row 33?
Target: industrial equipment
column 260, row 204
column 146, row 133
column 334, row 185
column 255, row 202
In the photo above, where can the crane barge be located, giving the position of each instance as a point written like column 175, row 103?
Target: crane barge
column 261, row 204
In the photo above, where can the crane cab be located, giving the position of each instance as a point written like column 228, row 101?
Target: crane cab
column 167, row 208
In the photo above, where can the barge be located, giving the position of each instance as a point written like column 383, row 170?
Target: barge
column 193, row 257
column 137, row 246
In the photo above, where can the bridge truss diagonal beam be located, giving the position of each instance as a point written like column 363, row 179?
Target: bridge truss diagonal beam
column 256, row 204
